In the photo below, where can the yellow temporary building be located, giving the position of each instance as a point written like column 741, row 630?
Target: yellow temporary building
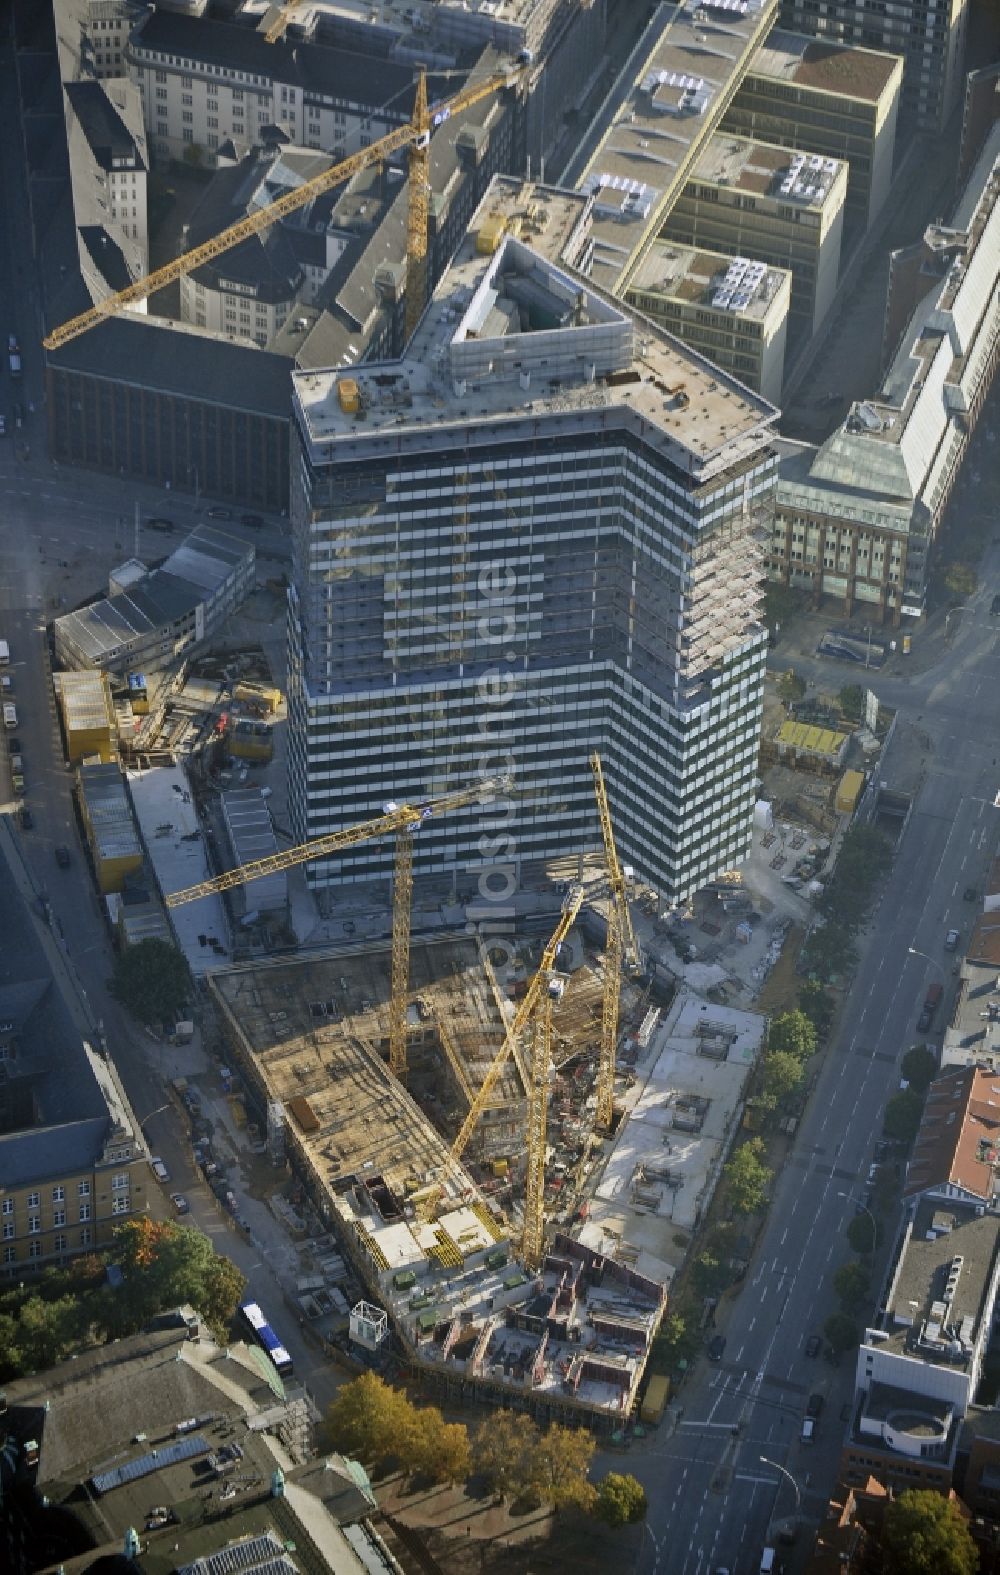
column 819, row 743
column 849, row 791
column 87, row 715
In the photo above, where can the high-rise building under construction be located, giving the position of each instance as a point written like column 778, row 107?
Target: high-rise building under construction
column 537, row 535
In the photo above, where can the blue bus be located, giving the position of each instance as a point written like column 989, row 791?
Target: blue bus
column 265, row 1336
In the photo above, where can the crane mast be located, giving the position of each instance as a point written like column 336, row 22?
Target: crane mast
column 415, row 134
column 533, row 1230
column 621, row 946
column 515, row 1028
column 398, row 819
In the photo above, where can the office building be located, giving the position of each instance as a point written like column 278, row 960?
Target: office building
column 534, row 536
column 920, row 1364
column 669, row 99
column 856, row 517
column 73, row 1164
column 828, row 98
column 786, row 209
column 929, row 34
column 729, row 309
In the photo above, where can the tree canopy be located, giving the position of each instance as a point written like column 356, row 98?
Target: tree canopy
column 961, row 579
column 791, row 686
column 621, row 1500
column 747, row 1177
column 152, row 981
column 918, row 1066
column 780, row 1075
column 902, row 1115
column 374, row 1422
column 851, row 1283
column 852, row 701
column 841, row 1332
column 817, row 1004
column 864, row 1233
column 924, row 1533
column 791, row 1033
column 501, row 1452
column 163, row 1265
column 677, row 1340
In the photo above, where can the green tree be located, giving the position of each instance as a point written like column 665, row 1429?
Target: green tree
column 960, row 579
column 152, row 980
column 369, row 1420
column 924, row 1533
column 164, row 1265
column 851, row 1283
column 817, row 1004
column 864, row 1233
column 677, row 1341
column 791, row 686
column 918, row 1066
column 780, row 1075
column 841, row 1332
column 852, row 701
column 709, row 1275
column 621, row 1500
column 502, row 1451
column 558, row 1466
column 902, row 1115
column 829, row 952
column 747, row 1177
column 791, row 1033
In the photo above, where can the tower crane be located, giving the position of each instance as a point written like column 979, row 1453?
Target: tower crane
column 515, row 1028
column 414, row 135
column 399, row 819
column 621, row 945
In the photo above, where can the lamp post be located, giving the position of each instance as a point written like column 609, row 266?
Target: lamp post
column 795, row 1486
column 914, row 952
column 157, row 1112
column 948, row 616
column 858, row 1204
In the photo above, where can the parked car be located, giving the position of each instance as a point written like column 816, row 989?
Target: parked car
column 180, row 1203
column 160, row 524
column 27, row 818
column 159, row 1169
column 808, row 1434
column 252, row 521
column 813, row 1345
column 924, row 1020
column 217, row 512
column 63, row 856
column 814, row 1405
column 951, row 940
column 3, row 426
column 716, row 1347
column 995, row 607
column 969, row 894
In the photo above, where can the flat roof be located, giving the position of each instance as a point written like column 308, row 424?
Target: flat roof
column 175, row 844
column 109, row 812
column 515, row 335
column 676, row 91
column 826, row 66
column 676, row 1131
column 692, row 276
column 764, row 170
column 938, row 1291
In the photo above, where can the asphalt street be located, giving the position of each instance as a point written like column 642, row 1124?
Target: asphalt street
column 713, row 1500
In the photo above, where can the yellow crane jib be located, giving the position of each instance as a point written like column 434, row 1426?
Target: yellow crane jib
column 392, row 819
column 255, row 223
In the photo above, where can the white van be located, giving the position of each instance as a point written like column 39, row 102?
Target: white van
column 4, row 654
column 768, row 1562
column 9, row 717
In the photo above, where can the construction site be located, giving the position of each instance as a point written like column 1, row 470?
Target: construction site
column 571, row 1332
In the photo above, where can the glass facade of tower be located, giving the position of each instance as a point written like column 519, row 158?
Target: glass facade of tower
column 535, row 590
